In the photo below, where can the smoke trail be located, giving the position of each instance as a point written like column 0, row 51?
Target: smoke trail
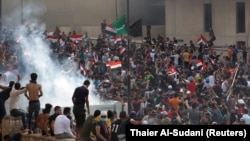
column 57, row 86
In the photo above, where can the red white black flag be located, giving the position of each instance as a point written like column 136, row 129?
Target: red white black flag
column 202, row 40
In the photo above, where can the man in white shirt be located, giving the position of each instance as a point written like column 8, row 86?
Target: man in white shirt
column 176, row 57
column 15, row 109
column 246, row 117
column 62, row 125
column 125, row 104
column 248, row 81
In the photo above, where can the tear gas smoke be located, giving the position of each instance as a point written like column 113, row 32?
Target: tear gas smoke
column 57, row 85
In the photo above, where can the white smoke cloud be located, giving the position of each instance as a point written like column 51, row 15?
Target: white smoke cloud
column 57, row 87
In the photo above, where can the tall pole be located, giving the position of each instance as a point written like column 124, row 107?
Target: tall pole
column 22, row 11
column 116, row 9
column 0, row 21
column 248, row 35
column 128, row 52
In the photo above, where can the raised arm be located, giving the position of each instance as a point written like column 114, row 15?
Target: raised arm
column 4, row 87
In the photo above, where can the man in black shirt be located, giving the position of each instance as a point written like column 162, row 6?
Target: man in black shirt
column 103, row 26
column 52, row 118
column 4, row 95
column 79, row 98
column 116, row 124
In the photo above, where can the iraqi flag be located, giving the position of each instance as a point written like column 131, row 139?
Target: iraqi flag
column 171, row 70
column 212, row 60
column 110, row 30
column 52, row 38
column 62, row 42
column 114, row 64
column 204, row 68
column 121, row 50
column 73, row 46
column 198, row 63
column 76, row 38
column 230, row 70
column 202, row 40
column 117, row 39
column 83, row 69
column 27, row 52
column 19, row 38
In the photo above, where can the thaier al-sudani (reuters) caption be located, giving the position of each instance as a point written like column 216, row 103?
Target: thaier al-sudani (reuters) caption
column 189, row 133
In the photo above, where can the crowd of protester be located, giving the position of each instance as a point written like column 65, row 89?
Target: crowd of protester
column 170, row 82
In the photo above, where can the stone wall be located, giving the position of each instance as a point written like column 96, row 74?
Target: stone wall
column 39, row 137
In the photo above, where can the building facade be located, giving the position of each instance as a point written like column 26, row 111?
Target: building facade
column 188, row 19
column 184, row 19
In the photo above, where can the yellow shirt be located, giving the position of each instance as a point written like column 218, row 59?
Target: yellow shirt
column 186, row 56
column 92, row 135
column 109, row 122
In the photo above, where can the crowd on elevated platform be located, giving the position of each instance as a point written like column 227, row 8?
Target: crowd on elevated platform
column 169, row 82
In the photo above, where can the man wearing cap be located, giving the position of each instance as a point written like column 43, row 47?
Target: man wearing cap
column 102, row 130
column 245, row 117
column 121, row 133
column 170, row 90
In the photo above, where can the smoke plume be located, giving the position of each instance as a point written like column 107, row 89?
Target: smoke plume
column 57, row 85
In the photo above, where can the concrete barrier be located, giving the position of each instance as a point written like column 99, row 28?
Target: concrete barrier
column 39, row 137
column 11, row 125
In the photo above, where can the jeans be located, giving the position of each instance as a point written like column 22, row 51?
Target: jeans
column 121, row 137
column 64, row 136
column 34, row 108
column 22, row 113
column 2, row 109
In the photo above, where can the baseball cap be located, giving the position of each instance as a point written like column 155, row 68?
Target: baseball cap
column 132, row 114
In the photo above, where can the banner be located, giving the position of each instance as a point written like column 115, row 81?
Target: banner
column 78, row 37
column 120, row 26
column 52, row 38
column 114, row 64
column 135, row 29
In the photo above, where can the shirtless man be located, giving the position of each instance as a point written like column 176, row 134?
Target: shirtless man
column 33, row 93
column 42, row 120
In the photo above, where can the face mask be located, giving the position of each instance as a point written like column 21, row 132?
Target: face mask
column 103, row 119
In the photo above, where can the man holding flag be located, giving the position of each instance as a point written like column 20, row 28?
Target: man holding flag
column 117, row 28
column 212, row 37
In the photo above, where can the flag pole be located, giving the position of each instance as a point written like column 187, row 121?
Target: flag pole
column 116, row 9
column 128, row 54
column 229, row 93
column 1, row 21
column 22, row 11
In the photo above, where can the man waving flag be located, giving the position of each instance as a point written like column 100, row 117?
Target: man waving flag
column 118, row 27
column 202, row 40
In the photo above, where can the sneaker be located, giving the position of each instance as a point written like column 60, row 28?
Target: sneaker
column 36, row 131
column 24, row 130
column 30, row 132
